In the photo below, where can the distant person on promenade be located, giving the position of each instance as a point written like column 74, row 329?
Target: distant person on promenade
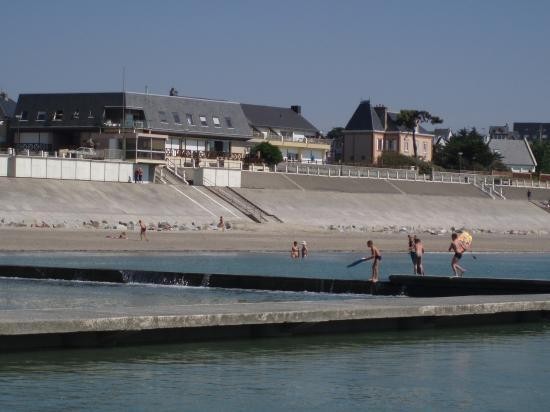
column 304, row 249
column 529, row 195
column 140, row 175
column 376, row 257
column 136, row 175
column 458, row 250
column 294, row 251
column 419, row 251
column 142, row 230
column 412, row 252
column 221, row 224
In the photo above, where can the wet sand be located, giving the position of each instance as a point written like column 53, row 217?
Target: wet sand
column 254, row 238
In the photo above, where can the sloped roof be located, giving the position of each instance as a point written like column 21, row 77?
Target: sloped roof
column 7, row 107
column 276, row 117
column 513, row 152
column 364, row 118
column 151, row 106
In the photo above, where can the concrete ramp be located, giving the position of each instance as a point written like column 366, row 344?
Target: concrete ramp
column 318, row 208
column 75, row 201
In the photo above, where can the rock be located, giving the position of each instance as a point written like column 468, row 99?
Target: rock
column 104, row 222
column 59, row 226
column 228, row 225
column 94, row 223
column 121, row 227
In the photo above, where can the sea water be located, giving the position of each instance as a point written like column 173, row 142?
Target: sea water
column 503, row 367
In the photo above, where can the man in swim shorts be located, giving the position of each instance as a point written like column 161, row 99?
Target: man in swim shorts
column 458, row 250
column 376, row 257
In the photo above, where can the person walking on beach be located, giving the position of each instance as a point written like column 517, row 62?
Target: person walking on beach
column 304, row 249
column 294, row 251
column 458, row 250
column 419, row 251
column 142, row 231
column 412, row 251
column 376, row 257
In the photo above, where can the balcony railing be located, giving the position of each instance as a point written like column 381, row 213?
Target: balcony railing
column 203, row 154
column 129, row 124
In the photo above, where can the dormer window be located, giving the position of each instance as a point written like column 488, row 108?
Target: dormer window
column 189, row 118
column 228, row 123
column 58, row 115
column 216, row 121
column 162, row 117
column 76, row 114
column 91, row 114
column 176, row 117
column 41, row 116
column 24, row 116
column 203, row 121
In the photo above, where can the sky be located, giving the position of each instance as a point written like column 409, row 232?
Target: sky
column 473, row 63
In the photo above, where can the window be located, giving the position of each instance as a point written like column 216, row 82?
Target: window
column 425, row 146
column 228, row 123
column 162, row 117
column 91, row 114
column 41, row 116
column 216, row 121
column 58, row 116
column 24, row 116
column 189, row 118
column 406, row 146
column 203, row 120
column 379, row 144
column 176, row 118
column 76, row 114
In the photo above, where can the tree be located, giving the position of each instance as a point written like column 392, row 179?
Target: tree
column 467, row 150
column 335, row 132
column 410, row 119
column 268, row 153
column 541, row 151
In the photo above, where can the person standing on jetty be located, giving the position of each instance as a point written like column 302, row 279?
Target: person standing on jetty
column 412, row 251
column 142, row 230
column 458, row 249
column 419, row 251
column 376, row 257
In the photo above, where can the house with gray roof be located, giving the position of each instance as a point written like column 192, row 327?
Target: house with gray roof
column 442, row 136
column 145, row 128
column 285, row 127
column 7, row 110
column 372, row 130
column 516, row 154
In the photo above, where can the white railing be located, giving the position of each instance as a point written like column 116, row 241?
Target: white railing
column 171, row 166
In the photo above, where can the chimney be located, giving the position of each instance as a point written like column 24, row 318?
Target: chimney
column 297, row 109
column 382, row 112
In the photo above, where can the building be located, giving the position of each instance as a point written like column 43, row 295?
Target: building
column 442, row 136
column 143, row 128
column 7, row 111
column 373, row 130
column 532, row 131
column 516, row 154
column 286, row 128
column 502, row 132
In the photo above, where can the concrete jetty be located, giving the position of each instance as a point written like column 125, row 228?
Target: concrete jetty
column 24, row 329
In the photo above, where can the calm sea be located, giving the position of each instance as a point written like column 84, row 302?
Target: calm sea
column 496, row 368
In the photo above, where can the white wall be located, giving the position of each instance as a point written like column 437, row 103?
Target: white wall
column 217, row 177
column 3, row 165
column 67, row 169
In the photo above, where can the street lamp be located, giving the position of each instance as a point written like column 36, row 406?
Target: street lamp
column 460, row 162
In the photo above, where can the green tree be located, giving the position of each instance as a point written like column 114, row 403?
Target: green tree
column 541, row 151
column 467, row 150
column 335, row 132
column 410, row 119
column 268, row 153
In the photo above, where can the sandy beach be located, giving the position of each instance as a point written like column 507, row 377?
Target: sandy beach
column 249, row 238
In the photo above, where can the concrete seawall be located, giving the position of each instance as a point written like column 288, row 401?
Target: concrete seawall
column 61, row 328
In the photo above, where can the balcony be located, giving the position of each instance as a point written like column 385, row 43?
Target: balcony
column 129, row 124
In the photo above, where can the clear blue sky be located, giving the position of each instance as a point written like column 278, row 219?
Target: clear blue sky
column 474, row 63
